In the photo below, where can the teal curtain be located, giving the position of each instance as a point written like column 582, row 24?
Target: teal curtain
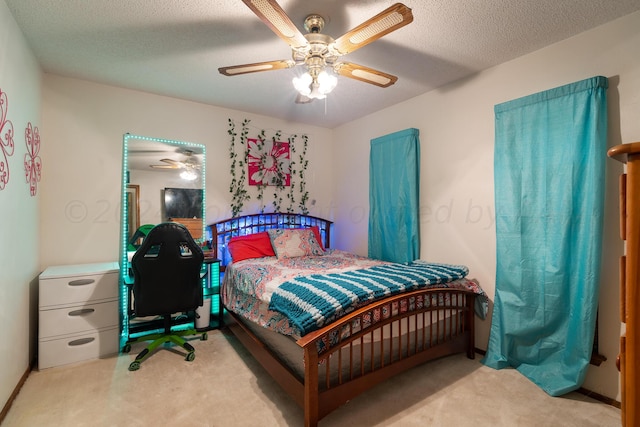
column 394, row 177
column 549, row 170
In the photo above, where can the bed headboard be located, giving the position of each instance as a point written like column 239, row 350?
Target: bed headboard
column 222, row 231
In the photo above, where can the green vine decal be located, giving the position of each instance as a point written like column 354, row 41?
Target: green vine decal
column 238, row 187
column 261, row 187
column 280, row 180
column 304, row 194
column 294, row 172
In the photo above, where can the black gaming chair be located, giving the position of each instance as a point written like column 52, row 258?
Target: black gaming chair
column 167, row 280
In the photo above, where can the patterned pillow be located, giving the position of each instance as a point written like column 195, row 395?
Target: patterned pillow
column 292, row 243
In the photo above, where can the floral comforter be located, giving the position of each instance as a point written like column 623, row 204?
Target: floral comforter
column 248, row 285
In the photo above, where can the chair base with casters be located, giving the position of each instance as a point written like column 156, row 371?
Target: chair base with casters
column 175, row 337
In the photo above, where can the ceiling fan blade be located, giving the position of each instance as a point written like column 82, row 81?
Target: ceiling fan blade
column 164, row 166
column 365, row 74
column 256, row 67
column 389, row 20
column 172, row 162
column 270, row 12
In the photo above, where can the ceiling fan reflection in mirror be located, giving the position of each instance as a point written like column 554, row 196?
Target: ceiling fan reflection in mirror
column 189, row 165
column 319, row 53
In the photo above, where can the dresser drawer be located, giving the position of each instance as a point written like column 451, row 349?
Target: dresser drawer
column 78, row 289
column 75, row 348
column 80, row 318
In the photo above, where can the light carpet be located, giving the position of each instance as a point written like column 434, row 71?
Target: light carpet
column 225, row 386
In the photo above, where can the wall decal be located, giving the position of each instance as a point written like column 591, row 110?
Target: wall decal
column 237, row 187
column 268, row 162
column 32, row 161
column 6, row 140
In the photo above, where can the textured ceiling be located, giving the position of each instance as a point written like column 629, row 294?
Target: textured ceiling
column 175, row 48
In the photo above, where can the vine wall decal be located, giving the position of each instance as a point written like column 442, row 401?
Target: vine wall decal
column 32, row 161
column 6, row 140
column 237, row 189
column 268, row 162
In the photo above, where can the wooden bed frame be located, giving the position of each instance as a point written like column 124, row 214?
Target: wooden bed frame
column 364, row 348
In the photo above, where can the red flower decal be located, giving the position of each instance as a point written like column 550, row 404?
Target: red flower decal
column 32, row 161
column 269, row 162
column 6, row 140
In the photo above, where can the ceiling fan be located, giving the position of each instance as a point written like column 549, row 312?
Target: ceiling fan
column 190, row 165
column 320, row 53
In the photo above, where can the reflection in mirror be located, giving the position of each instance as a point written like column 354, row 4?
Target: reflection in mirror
column 162, row 180
column 133, row 210
column 169, row 176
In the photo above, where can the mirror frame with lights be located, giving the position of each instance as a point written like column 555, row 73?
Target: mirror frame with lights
column 127, row 332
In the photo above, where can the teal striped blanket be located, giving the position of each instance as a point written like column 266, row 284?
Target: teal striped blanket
column 312, row 301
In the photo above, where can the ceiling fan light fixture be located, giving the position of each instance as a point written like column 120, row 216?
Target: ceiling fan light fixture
column 320, row 53
column 327, row 81
column 303, row 84
column 316, row 87
column 188, row 175
column 315, row 92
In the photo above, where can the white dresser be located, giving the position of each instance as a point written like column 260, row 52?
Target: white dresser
column 78, row 313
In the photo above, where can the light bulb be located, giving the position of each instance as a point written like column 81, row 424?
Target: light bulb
column 303, row 83
column 188, row 175
column 326, row 82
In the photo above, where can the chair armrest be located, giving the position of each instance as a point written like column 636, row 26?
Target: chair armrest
column 128, row 280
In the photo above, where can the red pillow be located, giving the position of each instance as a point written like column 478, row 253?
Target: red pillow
column 256, row 245
column 316, row 232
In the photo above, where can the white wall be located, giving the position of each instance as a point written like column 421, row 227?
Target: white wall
column 20, row 80
column 85, row 123
column 457, row 137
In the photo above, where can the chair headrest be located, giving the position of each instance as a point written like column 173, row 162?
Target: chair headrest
column 169, row 240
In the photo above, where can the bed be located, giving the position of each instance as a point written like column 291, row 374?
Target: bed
column 326, row 355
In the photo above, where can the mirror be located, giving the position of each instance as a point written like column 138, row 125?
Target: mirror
column 165, row 180
column 162, row 180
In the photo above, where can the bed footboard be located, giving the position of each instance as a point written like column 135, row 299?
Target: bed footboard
column 370, row 345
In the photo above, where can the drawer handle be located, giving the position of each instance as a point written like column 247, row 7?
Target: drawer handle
column 81, row 341
column 81, row 312
column 81, row 282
